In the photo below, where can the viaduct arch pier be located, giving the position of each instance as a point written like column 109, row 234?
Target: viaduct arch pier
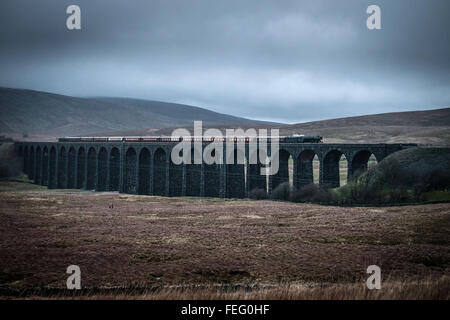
column 146, row 167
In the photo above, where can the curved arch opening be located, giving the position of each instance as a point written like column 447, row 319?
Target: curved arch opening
column 144, row 171
column 335, row 168
column 37, row 178
column 31, row 164
column 159, row 172
column 71, row 168
column 316, row 169
column 235, row 184
column 175, row 178
column 114, row 169
column 102, row 169
column 285, row 173
column 52, row 170
column 44, row 180
column 343, row 170
column 256, row 180
column 193, row 176
column 62, row 174
column 129, row 172
column 307, row 169
column 361, row 162
column 91, row 169
column 81, row 168
column 212, row 178
column 26, row 160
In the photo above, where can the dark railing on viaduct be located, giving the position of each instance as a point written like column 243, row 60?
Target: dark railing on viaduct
column 146, row 168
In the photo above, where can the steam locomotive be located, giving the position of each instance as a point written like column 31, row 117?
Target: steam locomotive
column 282, row 139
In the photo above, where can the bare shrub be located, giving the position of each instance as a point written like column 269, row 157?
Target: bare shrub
column 257, row 194
column 10, row 163
column 311, row 193
column 282, row 192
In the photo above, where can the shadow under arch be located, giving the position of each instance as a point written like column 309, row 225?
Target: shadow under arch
column 81, row 168
column 52, row 169
column 62, row 169
column 71, row 183
column 37, row 175
column 159, row 172
column 212, row 178
column 305, row 168
column 283, row 169
column 193, row 175
column 114, row 169
column 144, row 171
column 44, row 180
column 129, row 171
column 91, row 169
column 102, row 170
column 255, row 179
column 360, row 163
column 235, row 185
column 330, row 177
column 175, row 177
column 26, row 160
column 31, row 164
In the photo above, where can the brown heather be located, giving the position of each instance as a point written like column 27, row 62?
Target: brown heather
column 281, row 250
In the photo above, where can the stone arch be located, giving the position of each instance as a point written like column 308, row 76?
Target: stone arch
column 31, row 164
column 305, row 168
column 81, row 168
column 71, row 183
column 159, row 172
column 175, row 178
column 331, row 169
column 37, row 175
column 283, row 169
column 91, row 178
column 52, row 168
column 254, row 177
column 44, row 180
column 144, row 171
column 129, row 172
column 193, row 176
column 211, row 178
column 360, row 163
column 114, row 169
column 235, row 186
column 62, row 174
column 102, row 171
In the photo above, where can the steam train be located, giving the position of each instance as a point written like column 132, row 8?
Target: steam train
column 282, row 139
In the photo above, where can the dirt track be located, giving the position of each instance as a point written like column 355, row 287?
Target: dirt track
column 140, row 240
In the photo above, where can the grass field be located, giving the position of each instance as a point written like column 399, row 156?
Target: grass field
column 200, row 248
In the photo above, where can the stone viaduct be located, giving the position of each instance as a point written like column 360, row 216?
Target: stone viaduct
column 146, row 168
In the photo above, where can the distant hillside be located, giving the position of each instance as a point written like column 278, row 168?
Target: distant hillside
column 424, row 127
column 46, row 116
column 41, row 113
column 430, row 127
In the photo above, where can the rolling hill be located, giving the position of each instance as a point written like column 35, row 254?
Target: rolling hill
column 46, row 114
column 425, row 127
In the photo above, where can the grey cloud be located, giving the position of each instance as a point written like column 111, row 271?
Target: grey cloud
column 285, row 60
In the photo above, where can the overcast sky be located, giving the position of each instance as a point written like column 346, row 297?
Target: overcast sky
column 279, row 60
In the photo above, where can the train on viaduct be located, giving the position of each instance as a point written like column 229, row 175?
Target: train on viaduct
column 144, row 166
